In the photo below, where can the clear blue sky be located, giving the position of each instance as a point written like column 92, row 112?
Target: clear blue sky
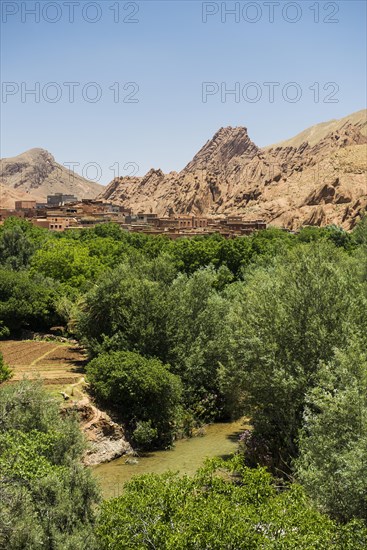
column 169, row 52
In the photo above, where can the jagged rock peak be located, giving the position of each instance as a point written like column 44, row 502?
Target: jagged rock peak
column 229, row 134
column 226, row 144
column 227, row 131
column 154, row 172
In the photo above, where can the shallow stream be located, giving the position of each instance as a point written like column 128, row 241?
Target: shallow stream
column 186, row 457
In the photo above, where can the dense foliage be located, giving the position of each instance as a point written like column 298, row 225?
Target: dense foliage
column 272, row 326
column 47, row 497
column 226, row 505
column 288, row 319
column 333, row 443
column 27, row 301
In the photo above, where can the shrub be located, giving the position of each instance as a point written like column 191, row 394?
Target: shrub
column 5, row 371
column 141, row 390
column 47, row 497
column 226, row 505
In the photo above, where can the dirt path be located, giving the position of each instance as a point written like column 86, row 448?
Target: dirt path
column 97, row 414
column 75, row 390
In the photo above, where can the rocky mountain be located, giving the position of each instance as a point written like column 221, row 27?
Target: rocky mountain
column 316, row 178
column 35, row 174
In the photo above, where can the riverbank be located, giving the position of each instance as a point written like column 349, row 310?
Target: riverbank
column 106, row 438
column 60, row 366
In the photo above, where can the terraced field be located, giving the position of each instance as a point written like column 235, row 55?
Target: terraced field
column 59, row 365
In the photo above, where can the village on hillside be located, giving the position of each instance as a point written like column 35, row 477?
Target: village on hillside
column 63, row 212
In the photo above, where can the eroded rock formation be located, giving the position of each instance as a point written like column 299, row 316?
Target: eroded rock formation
column 317, row 178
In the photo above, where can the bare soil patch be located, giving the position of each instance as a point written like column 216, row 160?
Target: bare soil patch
column 55, row 363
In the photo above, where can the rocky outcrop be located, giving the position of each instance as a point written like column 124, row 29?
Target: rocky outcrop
column 329, row 193
column 106, row 437
column 318, row 177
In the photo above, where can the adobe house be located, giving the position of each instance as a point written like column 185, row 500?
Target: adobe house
column 25, row 205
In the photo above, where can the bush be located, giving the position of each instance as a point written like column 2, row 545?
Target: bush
column 144, row 434
column 5, row 371
column 141, row 391
column 47, row 497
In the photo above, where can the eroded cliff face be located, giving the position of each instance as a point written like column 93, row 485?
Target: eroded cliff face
column 106, row 438
column 318, row 181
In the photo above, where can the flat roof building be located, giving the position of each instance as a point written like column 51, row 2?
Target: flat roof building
column 59, row 199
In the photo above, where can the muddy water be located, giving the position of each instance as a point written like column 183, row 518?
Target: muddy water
column 186, row 457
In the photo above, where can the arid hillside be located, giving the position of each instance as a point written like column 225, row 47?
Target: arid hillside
column 316, row 178
column 35, row 174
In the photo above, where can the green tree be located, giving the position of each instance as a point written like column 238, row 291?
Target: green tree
column 15, row 248
column 47, row 497
column 18, row 241
column 127, row 308
column 196, row 253
column 333, row 444
column 359, row 234
column 285, row 320
column 27, row 301
column 66, row 261
column 141, row 391
column 268, row 244
column 332, row 233
column 199, row 341
column 225, row 505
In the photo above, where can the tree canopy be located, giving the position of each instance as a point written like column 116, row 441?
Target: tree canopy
column 179, row 333
column 225, row 505
column 47, row 496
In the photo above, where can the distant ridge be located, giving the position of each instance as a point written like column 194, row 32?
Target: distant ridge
column 316, row 133
column 35, row 174
column 318, row 177
column 315, row 178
